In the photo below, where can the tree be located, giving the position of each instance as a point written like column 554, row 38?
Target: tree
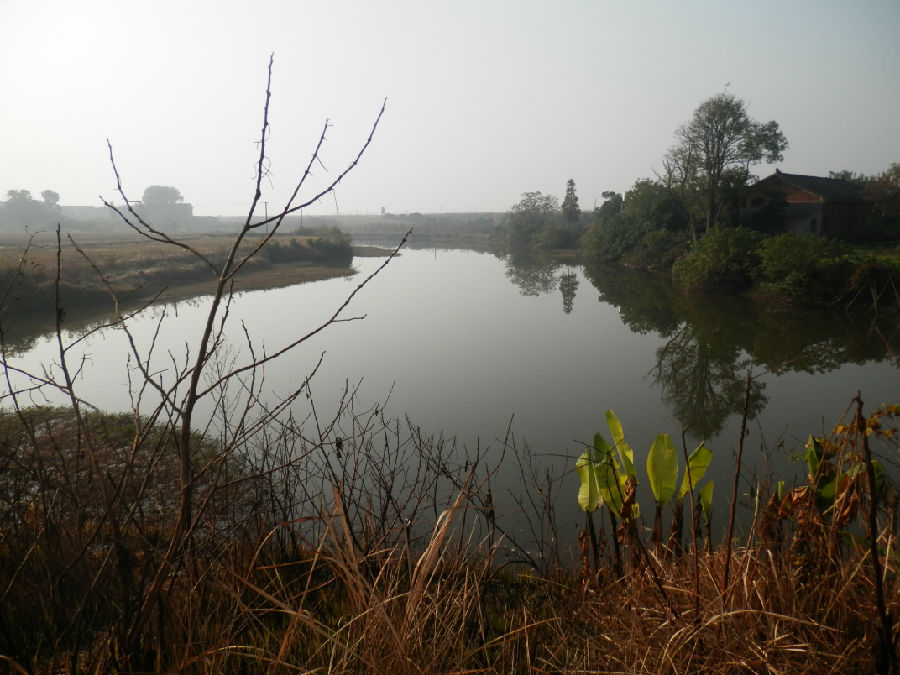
column 650, row 203
column 19, row 196
column 571, row 212
column 610, row 208
column 164, row 204
column 51, row 198
column 644, row 229
column 23, row 210
column 528, row 219
column 162, row 195
column 717, row 147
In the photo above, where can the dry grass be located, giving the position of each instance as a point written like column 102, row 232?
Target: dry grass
column 263, row 594
column 137, row 268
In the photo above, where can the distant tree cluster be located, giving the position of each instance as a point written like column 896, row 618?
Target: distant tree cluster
column 538, row 222
column 164, row 205
column 21, row 210
column 691, row 218
column 702, row 182
column 161, row 205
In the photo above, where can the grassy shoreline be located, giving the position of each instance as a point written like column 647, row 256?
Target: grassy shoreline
column 309, row 590
column 134, row 271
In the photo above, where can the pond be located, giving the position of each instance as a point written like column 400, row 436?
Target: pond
column 499, row 352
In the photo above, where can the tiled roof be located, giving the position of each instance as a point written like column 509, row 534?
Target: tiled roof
column 830, row 189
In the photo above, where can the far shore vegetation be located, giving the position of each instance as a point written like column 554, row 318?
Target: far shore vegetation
column 100, row 268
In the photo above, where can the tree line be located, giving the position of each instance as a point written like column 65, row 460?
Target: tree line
column 691, row 219
column 162, row 204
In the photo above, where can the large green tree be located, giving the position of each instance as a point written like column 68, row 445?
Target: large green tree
column 162, row 195
column 164, row 204
column 21, row 209
column 531, row 217
column 715, row 150
column 51, row 198
column 570, row 211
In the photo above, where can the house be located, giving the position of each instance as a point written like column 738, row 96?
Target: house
column 827, row 207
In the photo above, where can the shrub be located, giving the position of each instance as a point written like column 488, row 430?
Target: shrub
column 803, row 267
column 333, row 249
column 658, row 249
column 725, row 258
column 612, row 240
column 875, row 278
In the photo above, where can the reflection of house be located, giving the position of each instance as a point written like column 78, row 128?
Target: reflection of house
column 825, row 206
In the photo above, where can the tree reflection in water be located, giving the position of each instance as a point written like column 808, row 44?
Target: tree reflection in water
column 535, row 274
column 568, row 286
column 703, row 386
column 531, row 273
column 711, row 341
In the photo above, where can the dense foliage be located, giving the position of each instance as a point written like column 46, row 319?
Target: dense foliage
column 537, row 223
column 704, row 179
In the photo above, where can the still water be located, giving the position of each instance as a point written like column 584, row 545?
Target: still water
column 473, row 346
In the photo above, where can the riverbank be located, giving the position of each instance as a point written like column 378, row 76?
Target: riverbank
column 95, row 271
column 324, row 582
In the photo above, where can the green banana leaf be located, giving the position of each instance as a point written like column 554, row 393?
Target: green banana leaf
column 662, row 469
column 698, row 463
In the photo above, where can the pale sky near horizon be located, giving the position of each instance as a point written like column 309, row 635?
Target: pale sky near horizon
column 485, row 99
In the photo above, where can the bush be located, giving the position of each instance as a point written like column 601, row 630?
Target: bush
column 874, row 279
column 658, row 250
column 614, row 239
column 726, row 258
column 803, row 267
column 334, row 249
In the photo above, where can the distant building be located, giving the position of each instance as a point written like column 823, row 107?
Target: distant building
column 827, row 207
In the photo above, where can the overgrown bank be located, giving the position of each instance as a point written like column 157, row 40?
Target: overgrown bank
column 100, row 269
column 362, row 548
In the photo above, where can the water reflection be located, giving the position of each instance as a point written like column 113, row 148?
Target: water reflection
column 711, row 342
column 461, row 348
column 535, row 274
column 704, row 384
column 531, row 273
column 568, row 286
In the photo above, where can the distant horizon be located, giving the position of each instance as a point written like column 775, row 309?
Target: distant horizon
column 484, row 101
column 318, row 212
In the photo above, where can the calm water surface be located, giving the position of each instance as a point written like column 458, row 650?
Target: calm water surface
column 469, row 345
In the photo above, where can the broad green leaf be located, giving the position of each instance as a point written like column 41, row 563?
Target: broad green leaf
column 826, row 492
column 608, row 473
column 626, row 454
column 601, row 447
column 611, row 483
column 706, row 494
column 698, row 462
column 589, row 498
column 662, row 468
column 812, row 458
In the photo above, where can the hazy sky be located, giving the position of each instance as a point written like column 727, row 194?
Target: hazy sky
column 485, row 100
